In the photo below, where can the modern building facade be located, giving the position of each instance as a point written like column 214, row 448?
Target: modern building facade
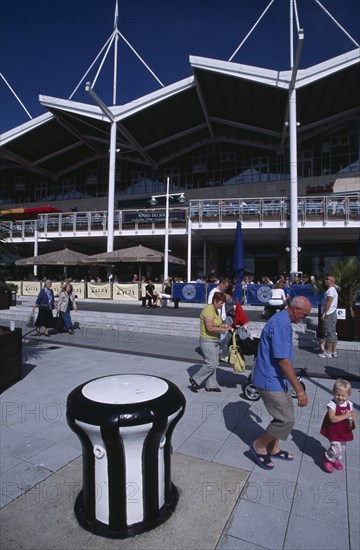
column 221, row 136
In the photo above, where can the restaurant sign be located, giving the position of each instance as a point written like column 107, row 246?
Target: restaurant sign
column 150, row 216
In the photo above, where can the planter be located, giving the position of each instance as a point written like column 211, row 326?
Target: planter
column 5, row 298
column 10, row 355
column 349, row 328
column 13, row 298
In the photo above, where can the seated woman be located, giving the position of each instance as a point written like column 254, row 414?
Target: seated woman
column 164, row 295
column 277, row 300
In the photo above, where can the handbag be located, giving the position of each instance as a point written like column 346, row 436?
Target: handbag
column 236, row 358
column 30, row 321
column 58, row 322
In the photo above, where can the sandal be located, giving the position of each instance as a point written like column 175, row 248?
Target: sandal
column 281, row 455
column 213, row 389
column 264, row 461
column 194, row 385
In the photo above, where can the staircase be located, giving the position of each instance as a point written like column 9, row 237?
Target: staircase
column 304, row 333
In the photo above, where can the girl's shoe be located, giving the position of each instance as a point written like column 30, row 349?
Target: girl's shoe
column 337, row 465
column 327, row 465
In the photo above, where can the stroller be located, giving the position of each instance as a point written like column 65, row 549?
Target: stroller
column 249, row 346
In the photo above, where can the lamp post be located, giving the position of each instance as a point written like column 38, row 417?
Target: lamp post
column 293, row 253
column 153, row 202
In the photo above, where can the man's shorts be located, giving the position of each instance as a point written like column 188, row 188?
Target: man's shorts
column 280, row 406
column 329, row 328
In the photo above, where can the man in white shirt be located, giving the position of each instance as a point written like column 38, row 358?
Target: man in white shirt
column 221, row 287
column 329, row 318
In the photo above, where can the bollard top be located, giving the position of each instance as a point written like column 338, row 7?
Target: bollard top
column 122, row 389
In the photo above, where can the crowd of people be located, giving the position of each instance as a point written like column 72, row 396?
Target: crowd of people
column 273, row 373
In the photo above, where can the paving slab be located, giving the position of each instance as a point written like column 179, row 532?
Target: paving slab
column 302, row 533
column 44, row 518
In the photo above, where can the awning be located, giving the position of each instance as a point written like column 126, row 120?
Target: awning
column 27, row 213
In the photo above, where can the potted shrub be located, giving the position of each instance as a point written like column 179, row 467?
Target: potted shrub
column 10, row 355
column 6, row 290
column 347, row 275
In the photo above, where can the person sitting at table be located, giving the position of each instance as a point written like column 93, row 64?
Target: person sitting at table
column 164, row 295
column 278, row 300
column 150, row 294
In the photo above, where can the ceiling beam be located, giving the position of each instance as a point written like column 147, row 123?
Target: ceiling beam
column 243, row 126
column 59, row 152
column 173, row 137
column 79, row 164
column 203, row 105
column 73, row 130
column 24, row 162
column 136, row 145
column 218, row 139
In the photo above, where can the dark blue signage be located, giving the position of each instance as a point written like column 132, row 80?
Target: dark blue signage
column 189, row 292
column 260, row 294
column 315, row 298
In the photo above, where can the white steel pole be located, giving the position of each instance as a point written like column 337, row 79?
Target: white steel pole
column 36, row 246
column 204, row 258
column 166, row 251
column 293, row 159
column 111, row 191
column 189, row 251
column 115, row 68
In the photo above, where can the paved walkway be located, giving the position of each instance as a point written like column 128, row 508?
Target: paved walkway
column 226, row 500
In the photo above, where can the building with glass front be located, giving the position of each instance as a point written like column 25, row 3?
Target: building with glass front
column 223, row 138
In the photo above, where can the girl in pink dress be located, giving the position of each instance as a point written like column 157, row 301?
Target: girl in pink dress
column 338, row 425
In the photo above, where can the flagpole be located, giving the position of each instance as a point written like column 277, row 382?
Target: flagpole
column 116, row 16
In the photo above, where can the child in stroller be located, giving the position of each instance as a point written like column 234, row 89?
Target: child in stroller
column 248, row 345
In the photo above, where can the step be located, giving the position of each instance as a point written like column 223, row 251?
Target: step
column 304, row 334
column 178, row 326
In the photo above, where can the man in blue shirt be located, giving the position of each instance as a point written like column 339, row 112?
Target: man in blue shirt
column 274, row 375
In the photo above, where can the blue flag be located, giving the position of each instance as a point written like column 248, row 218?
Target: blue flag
column 239, row 257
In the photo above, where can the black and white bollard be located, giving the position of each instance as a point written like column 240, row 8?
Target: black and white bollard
column 125, row 423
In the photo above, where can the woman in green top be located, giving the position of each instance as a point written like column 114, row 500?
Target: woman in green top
column 211, row 327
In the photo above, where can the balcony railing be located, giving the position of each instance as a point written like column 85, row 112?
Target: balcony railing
column 345, row 209
column 326, row 209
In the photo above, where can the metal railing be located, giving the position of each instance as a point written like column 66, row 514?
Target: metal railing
column 344, row 208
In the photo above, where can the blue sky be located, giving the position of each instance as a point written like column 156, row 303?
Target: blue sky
column 47, row 45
